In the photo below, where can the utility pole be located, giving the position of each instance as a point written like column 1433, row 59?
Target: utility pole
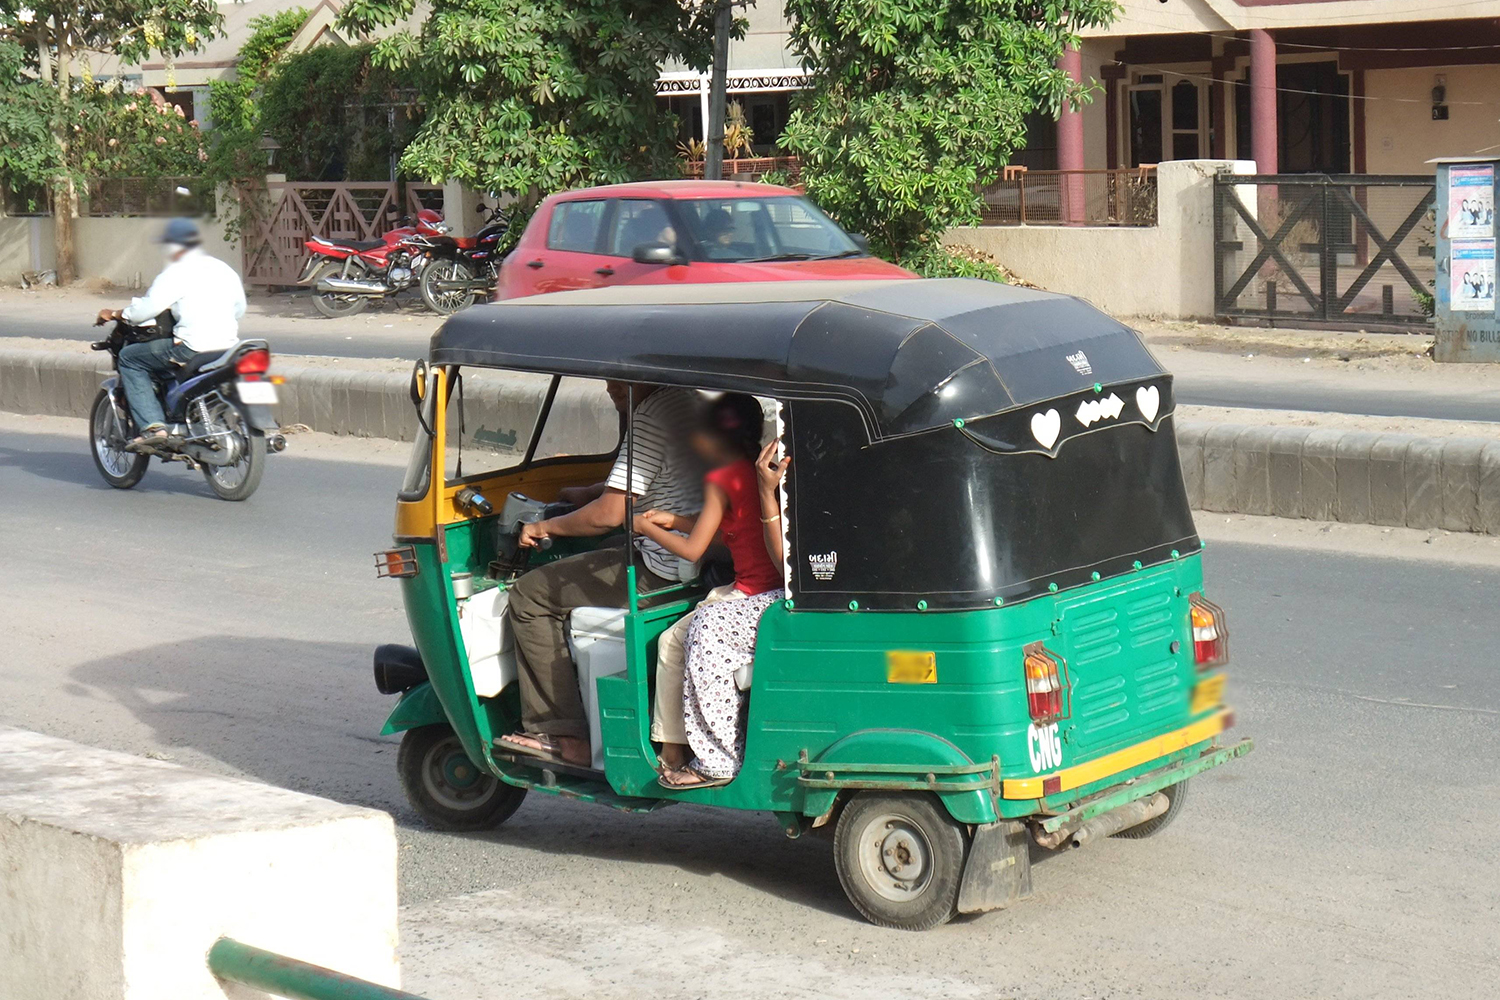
column 713, row 162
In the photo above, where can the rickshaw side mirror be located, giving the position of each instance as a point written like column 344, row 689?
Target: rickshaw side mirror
column 657, row 253
column 418, row 383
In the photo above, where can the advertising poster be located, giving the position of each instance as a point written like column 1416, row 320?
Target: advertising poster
column 1473, row 276
column 1471, row 202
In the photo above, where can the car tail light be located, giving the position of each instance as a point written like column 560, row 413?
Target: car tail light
column 1048, row 693
column 1210, row 632
column 400, row 562
column 254, row 362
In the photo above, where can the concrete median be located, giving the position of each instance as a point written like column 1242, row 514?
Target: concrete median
column 118, row 873
column 1352, row 476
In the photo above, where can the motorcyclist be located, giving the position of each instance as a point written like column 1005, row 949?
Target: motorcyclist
column 207, row 300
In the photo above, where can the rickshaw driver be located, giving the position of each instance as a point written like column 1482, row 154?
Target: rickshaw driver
column 664, row 474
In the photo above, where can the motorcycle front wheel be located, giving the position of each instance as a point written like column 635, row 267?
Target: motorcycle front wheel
column 332, row 305
column 120, row 468
column 239, row 480
column 447, row 301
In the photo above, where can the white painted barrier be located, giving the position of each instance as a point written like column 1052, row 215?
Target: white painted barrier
column 118, row 873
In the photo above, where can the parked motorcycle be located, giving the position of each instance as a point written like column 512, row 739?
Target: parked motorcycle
column 218, row 408
column 462, row 271
column 346, row 275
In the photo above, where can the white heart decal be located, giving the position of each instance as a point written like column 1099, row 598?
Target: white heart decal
column 1045, row 427
column 1148, row 401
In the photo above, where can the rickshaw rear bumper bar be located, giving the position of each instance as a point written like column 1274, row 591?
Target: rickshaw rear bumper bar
column 1058, row 828
column 269, row 972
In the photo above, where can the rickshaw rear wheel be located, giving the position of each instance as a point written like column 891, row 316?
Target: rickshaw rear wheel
column 1176, row 796
column 446, row 788
column 900, row 858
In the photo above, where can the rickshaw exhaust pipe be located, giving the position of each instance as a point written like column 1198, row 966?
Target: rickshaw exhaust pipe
column 1104, row 825
column 350, row 286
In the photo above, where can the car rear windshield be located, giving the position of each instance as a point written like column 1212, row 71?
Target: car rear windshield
column 750, row 229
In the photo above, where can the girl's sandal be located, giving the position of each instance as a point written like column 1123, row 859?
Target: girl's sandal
column 702, row 780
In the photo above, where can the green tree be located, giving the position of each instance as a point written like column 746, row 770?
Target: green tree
column 913, row 103
column 532, row 96
column 56, row 35
column 233, row 104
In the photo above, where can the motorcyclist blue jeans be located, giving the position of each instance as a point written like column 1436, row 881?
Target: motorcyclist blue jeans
column 138, row 363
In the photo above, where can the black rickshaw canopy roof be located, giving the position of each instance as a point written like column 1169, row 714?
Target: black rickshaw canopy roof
column 911, row 355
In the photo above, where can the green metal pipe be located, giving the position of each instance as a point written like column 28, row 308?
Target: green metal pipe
column 286, row 977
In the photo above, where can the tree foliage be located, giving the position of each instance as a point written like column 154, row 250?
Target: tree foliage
column 532, row 96
column 29, row 156
column 913, row 103
column 233, row 104
column 338, row 115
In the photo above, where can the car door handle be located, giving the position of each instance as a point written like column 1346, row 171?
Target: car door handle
column 534, row 263
column 604, row 272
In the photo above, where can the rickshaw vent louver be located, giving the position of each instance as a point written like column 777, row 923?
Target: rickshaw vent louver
column 1049, row 695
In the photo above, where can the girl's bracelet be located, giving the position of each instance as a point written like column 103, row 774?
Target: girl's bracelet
column 770, row 520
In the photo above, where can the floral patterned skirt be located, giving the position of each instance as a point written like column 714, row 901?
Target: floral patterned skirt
column 720, row 641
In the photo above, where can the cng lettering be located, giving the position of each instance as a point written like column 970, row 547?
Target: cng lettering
column 1045, row 747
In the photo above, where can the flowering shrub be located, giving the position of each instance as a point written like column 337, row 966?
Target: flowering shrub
column 134, row 134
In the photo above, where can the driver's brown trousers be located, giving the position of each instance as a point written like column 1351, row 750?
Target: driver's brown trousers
column 539, row 605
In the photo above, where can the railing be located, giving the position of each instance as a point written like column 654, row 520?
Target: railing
column 149, row 196
column 286, row 977
column 1023, row 197
column 751, row 168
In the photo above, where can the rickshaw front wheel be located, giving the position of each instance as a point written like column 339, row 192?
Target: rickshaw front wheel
column 446, row 788
column 900, row 859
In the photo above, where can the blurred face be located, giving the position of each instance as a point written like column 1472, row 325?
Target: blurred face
column 619, row 393
column 707, row 447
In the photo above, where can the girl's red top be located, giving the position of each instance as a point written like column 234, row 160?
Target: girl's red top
column 742, row 530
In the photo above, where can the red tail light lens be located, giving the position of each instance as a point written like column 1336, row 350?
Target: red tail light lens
column 1210, row 632
column 255, row 362
column 1048, row 693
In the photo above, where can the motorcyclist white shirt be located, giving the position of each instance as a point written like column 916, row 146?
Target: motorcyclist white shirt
column 205, row 296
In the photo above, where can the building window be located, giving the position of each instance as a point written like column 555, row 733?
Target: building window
column 1040, row 152
column 1145, row 125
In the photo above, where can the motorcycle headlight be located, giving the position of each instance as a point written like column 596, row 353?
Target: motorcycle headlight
column 441, row 227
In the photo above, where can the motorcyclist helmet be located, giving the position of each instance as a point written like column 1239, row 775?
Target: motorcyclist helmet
column 183, row 232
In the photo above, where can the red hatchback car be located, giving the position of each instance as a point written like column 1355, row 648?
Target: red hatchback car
column 656, row 232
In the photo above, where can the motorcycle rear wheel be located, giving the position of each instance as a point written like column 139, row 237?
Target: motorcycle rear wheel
column 120, row 469
column 238, row 481
column 331, row 305
column 446, row 302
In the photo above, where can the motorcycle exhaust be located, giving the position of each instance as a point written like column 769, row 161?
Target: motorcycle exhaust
column 275, row 443
column 350, row 286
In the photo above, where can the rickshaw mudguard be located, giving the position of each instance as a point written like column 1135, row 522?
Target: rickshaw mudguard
column 417, row 707
column 902, row 760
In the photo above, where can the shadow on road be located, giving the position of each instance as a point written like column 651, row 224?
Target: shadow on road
column 76, row 468
column 304, row 715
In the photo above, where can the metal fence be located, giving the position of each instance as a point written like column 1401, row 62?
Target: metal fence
column 277, row 219
column 148, row 196
column 1320, row 249
column 751, row 168
column 1023, row 197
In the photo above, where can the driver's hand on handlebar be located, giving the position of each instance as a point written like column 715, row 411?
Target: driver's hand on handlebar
column 106, row 316
column 532, row 535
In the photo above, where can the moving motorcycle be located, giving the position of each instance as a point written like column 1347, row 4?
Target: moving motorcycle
column 346, row 275
column 461, row 271
column 218, row 408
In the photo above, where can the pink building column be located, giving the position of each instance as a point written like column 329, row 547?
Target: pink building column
column 1070, row 143
column 1263, row 101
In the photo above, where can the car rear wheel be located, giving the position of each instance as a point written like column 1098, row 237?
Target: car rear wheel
column 1176, row 796
column 900, row 858
column 446, row 788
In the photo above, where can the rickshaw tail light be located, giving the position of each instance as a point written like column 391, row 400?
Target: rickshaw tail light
column 1049, row 695
column 398, row 563
column 1210, row 632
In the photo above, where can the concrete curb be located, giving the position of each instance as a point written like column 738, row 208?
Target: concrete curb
column 1355, row 477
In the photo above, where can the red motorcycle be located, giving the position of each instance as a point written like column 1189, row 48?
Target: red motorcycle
column 346, row 275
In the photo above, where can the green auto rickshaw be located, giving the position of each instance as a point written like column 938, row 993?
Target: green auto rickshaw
column 1011, row 649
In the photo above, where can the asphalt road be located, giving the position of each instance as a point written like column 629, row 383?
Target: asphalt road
column 1354, row 854
column 1287, row 395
